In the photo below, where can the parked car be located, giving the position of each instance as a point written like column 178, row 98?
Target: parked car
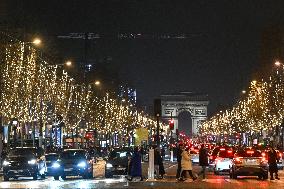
column 223, row 161
column 50, row 159
column 249, row 162
column 117, row 162
column 73, row 162
column 24, row 162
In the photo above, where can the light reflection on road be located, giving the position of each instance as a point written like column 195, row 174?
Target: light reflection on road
column 51, row 183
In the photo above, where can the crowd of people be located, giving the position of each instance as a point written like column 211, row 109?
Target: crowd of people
column 185, row 164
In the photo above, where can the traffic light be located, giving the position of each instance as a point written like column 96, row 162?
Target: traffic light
column 172, row 124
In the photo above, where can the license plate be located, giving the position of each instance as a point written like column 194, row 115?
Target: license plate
column 251, row 161
column 70, row 169
column 121, row 168
column 18, row 171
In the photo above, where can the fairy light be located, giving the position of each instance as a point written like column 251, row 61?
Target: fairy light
column 32, row 87
column 261, row 109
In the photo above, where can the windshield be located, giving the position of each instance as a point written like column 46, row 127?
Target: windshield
column 23, row 152
column 119, row 154
column 215, row 151
column 51, row 157
column 226, row 154
column 73, row 154
column 249, row 153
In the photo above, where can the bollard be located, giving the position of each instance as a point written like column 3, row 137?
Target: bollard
column 172, row 156
column 151, row 175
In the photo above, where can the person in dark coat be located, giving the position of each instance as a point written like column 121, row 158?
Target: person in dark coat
column 272, row 161
column 179, row 152
column 158, row 162
column 136, row 165
column 203, row 160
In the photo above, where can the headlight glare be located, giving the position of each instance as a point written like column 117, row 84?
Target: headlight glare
column 82, row 164
column 33, row 161
column 108, row 165
column 55, row 165
column 6, row 163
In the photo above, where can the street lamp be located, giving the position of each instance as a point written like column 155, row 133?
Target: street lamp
column 68, row 63
column 36, row 41
column 97, row 83
column 277, row 63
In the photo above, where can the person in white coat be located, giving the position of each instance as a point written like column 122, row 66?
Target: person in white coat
column 186, row 165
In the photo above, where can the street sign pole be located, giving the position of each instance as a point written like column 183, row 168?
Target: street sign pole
column 151, row 174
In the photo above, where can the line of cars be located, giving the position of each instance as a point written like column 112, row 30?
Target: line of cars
column 247, row 161
column 32, row 162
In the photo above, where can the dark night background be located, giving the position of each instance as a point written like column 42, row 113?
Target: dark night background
column 220, row 58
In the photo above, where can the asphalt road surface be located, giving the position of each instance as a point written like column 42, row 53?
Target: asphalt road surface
column 212, row 181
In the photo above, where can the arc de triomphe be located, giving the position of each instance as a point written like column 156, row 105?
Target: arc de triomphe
column 194, row 103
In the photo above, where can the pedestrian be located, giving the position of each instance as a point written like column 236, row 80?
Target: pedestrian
column 136, row 165
column 272, row 161
column 129, row 165
column 163, row 153
column 158, row 163
column 179, row 151
column 186, row 165
column 203, row 160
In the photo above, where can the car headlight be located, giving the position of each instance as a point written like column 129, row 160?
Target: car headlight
column 33, row 161
column 6, row 163
column 82, row 164
column 108, row 165
column 55, row 165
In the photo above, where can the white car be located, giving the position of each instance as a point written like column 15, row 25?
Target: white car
column 223, row 161
column 194, row 156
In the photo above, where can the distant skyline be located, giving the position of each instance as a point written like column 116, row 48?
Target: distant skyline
column 220, row 58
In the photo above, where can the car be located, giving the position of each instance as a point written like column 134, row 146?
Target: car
column 280, row 163
column 279, row 157
column 50, row 159
column 223, row 161
column 24, row 162
column 117, row 162
column 249, row 162
column 213, row 155
column 194, row 155
column 73, row 162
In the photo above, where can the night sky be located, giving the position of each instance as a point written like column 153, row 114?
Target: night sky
column 219, row 58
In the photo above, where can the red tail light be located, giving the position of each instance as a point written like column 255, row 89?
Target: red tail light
column 263, row 159
column 238, row 160
column 263, row 154
column 250, row 152
column 222, row 149
column 230, row 151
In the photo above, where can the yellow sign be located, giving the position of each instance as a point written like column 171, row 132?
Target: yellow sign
column 141, row 134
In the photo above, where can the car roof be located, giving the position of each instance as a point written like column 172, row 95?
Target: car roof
column 65, row 150
column 51, row 154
